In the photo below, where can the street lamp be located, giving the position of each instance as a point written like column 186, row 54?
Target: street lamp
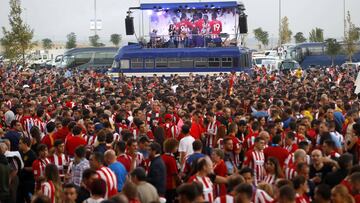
column 344, row 19
column 279, row 23
column 95, row 17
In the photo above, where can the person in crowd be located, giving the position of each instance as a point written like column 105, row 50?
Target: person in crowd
column 273, row 171
column 322, row 194
column 340, row 194
column 84, row 192
column 104, row 173
column 79, row 165
column 116, row 167
column 51, row 187
column 157, row 169
column 146, row 191
column 172, row 172
column 70, row 193
column 98, row 191
column 26, row 176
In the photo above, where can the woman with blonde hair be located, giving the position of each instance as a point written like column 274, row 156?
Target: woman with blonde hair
column 340, row 194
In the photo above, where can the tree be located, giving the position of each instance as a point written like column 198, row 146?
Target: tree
column 47, row 43
column 94, row 41
column 285, row 32
column 352, row 35
column 316, row 35
column 261, row 36
column 333, row 48
column 17, row 40
column 299, row 38
column 115, row 39
column 71, row 40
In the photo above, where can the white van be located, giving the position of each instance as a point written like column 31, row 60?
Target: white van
column 271, row 64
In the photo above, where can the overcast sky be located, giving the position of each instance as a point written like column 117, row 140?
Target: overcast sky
column 54, row 19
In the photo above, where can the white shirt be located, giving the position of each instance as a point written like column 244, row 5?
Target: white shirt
column 185, row 145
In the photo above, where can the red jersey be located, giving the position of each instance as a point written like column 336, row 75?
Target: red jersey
column 38, row 122
column 60, row 161
column 196, row 130
column 301, row 199
column 72, row 143
column 48, row 189
column 256, row 161
column 171, row 170
column 125, row 160
column 215, row 27
column 207, row 187
column 38, row 167
column 250, row 140
column 27, row 123
column 220, row 170
column 111, row 182
column 290, row 172
column 270, row 179
column 171, row 130
column 291, row 148
column 278, row 152
column 48, row 140
column 260, row 196
column 61, row 133
column 211, row 131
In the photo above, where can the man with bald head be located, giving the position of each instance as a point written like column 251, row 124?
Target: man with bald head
column 117, row 167
column 318, row 168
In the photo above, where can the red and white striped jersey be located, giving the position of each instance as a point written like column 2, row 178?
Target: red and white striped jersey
column 270, row 179
column 90, row 139
column 120, row 127
column 220, row 143
column 171, row 130
column 225, row 199
column 250, row 140
column 334, row 155
column 111, row 182
column 207, row 187
column 290, row 172
column 290, row 160
column 261, row 196
column 27, row 123
column 48, row 189
column 256, row 161
column 211, row 131
column 301, row 199
column 41, row 125
column 38, row 167
column 60, row 161
column 117, row 137
column 18, row 117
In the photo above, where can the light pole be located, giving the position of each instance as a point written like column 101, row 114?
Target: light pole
column 344, row 19
column 279, row 23
column 95, row 17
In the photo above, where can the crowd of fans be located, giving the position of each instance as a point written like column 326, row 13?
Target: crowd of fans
column 83, row 137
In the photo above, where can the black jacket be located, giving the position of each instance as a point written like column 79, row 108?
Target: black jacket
column 157, row 175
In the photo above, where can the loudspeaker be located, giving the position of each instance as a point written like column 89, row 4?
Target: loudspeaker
column 129, row 25
column 243, row 24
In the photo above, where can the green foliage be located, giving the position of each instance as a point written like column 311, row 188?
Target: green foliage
column 285, row 32
column 299, row 38
column 115, row 39
column 316, row 35
column 71, row 40
column 47, row 43
column 94, row 41
column 16, row 41
column 333, row 48
column 262, row 37
column 352, row 35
